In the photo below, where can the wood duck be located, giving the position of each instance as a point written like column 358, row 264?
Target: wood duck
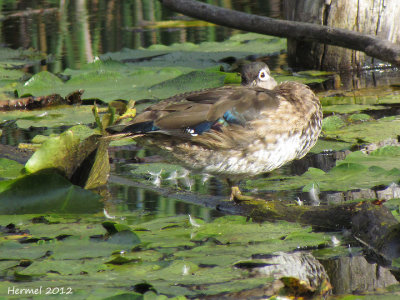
column 232, row 132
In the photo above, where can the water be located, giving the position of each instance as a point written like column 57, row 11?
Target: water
column 72, row 33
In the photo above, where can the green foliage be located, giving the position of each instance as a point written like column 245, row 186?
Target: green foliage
column 167, row 254
column 332, row 123
column 61, row 152
column 372, row 131
column 49, row 117
column 126, row 75
column 9, row 168
column 350, row 108
column 9, row 59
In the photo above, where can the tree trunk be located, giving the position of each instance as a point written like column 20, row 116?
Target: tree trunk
column 375, row 17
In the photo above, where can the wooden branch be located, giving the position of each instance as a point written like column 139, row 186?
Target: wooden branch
column 371, row 45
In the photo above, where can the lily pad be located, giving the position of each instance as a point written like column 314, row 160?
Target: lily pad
column 359, row 118
column 372, row 131
column 9, row 168
column 45, row 192
column 332, row 123
column 350, row 108
column 127, row 75
column 327, row 145
column 61, row 152
column 50, row 117
column 19, row 57
column 86, row 259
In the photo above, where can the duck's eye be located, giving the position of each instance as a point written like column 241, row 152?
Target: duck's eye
column 262, row 75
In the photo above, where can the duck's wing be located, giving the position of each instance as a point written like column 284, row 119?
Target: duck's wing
column 191, row 115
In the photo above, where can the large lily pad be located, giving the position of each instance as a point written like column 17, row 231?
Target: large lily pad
column 45, row 192
column 79, row 154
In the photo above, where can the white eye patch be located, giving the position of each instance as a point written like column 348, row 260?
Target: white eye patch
column 263, row 75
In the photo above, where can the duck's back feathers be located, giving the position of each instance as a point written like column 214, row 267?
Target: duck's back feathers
column 193, row 114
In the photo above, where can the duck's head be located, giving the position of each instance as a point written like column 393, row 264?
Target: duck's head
column 257, row 74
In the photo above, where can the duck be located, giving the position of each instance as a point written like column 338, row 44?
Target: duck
column 232, row 132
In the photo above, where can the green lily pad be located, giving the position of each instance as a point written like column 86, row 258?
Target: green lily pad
column 45, row 192
column 350, row 108
column 327, row 145
column 203, row 55
column 390, row 99
column 50, row 117
column 299, row 78
column 11, row 59
column 315, row 73
column 359, row 118
column 182, row 256
column 332, row 123
column 349, row 100
column 126, row 75
column 19, row 57
column 9, row 168
column 373, row 131
column 61, row 152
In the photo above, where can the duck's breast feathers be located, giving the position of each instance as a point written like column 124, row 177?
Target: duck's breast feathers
column 199, row 112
